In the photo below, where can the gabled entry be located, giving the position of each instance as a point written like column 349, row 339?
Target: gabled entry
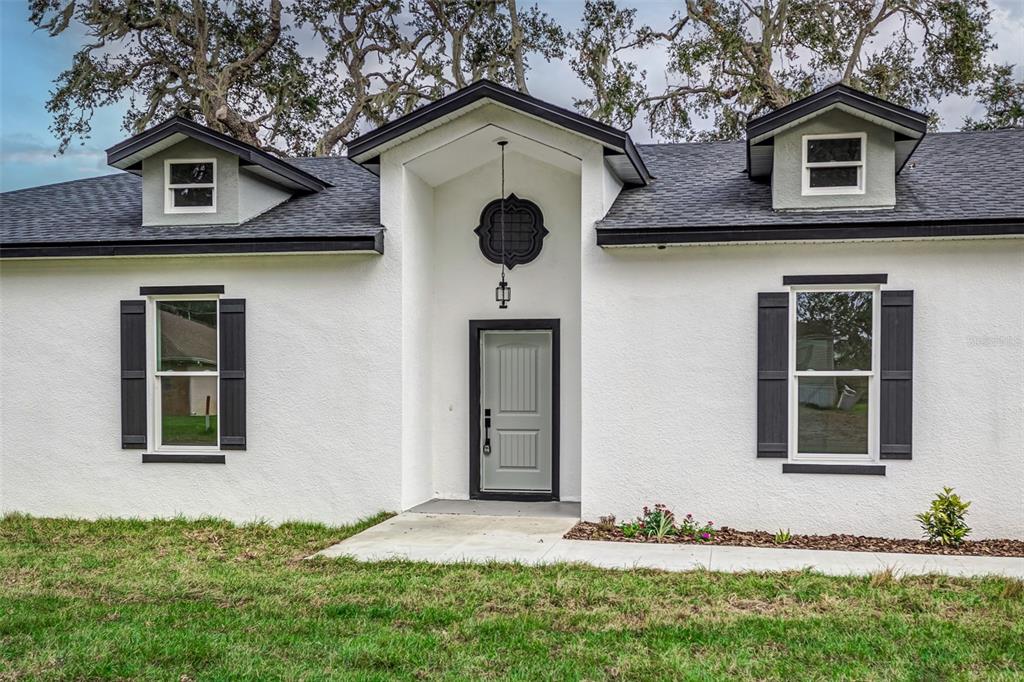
column 514, row 409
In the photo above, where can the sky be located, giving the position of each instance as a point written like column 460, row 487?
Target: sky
column 30, row 61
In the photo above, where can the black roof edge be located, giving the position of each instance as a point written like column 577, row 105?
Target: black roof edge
column 168, row 247
column 246, row 152
column 838, row 93
column 619, row 236
column 485, row 89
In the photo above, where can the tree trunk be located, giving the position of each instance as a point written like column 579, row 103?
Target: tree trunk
column 518, row 65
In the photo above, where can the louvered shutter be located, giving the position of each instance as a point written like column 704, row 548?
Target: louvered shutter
column 232, row 374
column 896, row 394
column 133, row 375
column 772, row 374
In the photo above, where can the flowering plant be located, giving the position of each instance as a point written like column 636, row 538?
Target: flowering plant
column 701, row 533
column 658, row 523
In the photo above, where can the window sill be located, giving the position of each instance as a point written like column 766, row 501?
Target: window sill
column 172, row 458
column 859, row 469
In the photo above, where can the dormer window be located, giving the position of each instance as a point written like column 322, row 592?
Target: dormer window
column 833, row 164
column 191, row 186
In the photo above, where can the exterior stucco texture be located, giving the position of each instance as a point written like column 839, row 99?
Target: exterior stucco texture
column 669, row 392
column 322, row 388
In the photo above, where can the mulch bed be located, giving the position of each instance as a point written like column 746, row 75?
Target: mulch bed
column 846, row 543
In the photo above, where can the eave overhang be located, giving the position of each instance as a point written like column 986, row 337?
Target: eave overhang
column 371, row 242
column 128, row 155
column 823, row 231
column 621, row 154
column 908, row 125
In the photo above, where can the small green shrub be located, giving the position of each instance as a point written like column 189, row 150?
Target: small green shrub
column 944, row 521
column 701, row 533
column 630, row 529
column 658, row 523
column 783, row 536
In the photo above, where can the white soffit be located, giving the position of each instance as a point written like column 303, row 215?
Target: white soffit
column 149, row 151
column 475, row 149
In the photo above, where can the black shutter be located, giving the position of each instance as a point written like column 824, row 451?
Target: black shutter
column 133, row 375
column 232, row 374
column 897, row 374
column 772, row 374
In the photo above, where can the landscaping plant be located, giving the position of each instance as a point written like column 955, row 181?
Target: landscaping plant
column 658, row 523
column 630, row 529
column 944, row 521
column 783, row 536
column 701, row 533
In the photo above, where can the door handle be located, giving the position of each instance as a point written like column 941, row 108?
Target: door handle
column 487, row 431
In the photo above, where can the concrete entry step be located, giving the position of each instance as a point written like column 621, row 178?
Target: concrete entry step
column 560, row 510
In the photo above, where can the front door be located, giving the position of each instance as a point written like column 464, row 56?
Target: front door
column 515, row 410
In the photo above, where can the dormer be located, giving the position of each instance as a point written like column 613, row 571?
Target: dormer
column 194, row 175
column 838, row 149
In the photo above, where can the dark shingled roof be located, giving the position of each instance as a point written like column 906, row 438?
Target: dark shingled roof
column 973, row 176
column 109, row 208
column 952, row 176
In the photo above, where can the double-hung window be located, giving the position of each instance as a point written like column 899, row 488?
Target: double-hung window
column 185, row 385
column 833, row 360
column 833, row 164
column 190, row 186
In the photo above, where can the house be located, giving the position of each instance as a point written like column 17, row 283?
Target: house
column 814, row 328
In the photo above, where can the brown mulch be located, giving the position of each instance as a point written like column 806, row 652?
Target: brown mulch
column 847, row 543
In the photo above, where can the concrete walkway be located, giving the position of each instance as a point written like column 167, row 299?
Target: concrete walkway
column 534, row 540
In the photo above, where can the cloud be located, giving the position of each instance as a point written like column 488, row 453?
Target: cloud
column 28, row 148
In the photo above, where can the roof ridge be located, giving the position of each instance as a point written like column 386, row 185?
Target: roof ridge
column 115, row 174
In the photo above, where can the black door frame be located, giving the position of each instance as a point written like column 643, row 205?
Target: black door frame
column 475, row 329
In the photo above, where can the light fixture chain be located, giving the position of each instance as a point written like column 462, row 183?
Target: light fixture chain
column 502, row 213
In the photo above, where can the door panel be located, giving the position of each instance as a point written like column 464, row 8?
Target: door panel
column 515, row 377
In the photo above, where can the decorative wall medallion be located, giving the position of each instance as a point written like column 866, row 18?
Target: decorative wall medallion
column 524, row 231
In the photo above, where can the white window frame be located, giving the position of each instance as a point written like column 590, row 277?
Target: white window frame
column 169, row 206
column 860, row 165
column 872, row 375
column 153, row 376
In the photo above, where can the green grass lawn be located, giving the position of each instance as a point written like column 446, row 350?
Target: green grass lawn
column 209, row 600
column 189, row 430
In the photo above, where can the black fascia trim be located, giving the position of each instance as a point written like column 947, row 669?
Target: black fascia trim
column 625, row 236
column 373, row 242
column 854, row 469
column 835, row 279
column 246, row 152
column 485, row 89
column 152, row 458
column 838, row 94
column 475, row 327
column 188, row 289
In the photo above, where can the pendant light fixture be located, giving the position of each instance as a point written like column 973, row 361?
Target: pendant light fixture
column 503, row 292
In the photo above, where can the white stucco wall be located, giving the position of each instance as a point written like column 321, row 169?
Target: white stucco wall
column 463, row 290
column 669, row 386
column 323, row 390
column 417, row 255
column 446, row 281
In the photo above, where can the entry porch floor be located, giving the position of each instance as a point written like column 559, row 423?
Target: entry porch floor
column 533, row 536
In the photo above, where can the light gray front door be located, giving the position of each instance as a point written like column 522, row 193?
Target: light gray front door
column 515, row 395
